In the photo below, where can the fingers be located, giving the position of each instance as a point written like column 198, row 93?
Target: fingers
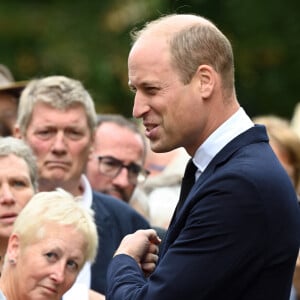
column 150, row 258
column 153, row 237
column 149, row 263
column 148, row 269
column 153, row 248
column 139, row 244
column 150, row 234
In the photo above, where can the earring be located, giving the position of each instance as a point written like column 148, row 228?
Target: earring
column 12, row 261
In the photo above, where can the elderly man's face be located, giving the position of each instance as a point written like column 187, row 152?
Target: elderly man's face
column 61, row 141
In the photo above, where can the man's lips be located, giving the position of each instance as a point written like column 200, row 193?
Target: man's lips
column 8, row 218
column 57, row 164
column 150, row 129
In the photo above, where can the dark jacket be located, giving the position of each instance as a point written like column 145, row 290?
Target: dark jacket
column 114, row 220
column 236, row 236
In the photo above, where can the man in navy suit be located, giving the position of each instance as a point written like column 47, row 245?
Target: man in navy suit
column 236, row 234
column 57, row 118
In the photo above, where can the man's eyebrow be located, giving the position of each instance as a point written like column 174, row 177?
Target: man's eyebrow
column 143, row 84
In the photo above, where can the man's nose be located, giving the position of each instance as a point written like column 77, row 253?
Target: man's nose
column 59, row 142
column 6, row 194
column 140, row 106
column 122, row 178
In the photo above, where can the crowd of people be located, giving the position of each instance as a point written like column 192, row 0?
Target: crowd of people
column 190, row 199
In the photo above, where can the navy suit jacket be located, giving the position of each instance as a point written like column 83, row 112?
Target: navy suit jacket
column 114, row 219
column 236, row 236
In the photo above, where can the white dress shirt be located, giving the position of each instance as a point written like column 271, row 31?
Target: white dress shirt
column 2, row 297
column 234, row 126
column 80, row 289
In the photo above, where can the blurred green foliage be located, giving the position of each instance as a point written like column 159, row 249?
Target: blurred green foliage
column 89, row 41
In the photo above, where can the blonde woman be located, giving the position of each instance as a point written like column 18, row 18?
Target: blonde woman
column 52, row 238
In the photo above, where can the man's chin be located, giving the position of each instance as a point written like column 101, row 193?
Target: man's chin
column 56, row 179
column 56, row 173
column 114, row 194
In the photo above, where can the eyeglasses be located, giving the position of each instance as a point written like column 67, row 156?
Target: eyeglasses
column 111, row 167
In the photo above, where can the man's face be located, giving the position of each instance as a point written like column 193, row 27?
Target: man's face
column 61, row 141
column 119, row 143
column 173, row 113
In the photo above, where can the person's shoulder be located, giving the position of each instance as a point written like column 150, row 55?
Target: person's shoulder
column 101, row 196
column 114, row 208
column 109, row 202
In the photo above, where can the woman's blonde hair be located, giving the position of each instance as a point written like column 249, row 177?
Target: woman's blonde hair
column 58, row 207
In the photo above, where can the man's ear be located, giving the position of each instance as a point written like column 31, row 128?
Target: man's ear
column 17, row 132
column 91, row 150
column 206, row 78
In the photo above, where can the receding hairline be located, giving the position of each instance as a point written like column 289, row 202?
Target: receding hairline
column 170, row 24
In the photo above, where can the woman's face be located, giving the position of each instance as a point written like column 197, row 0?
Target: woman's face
column 16, row 189
column 48, row 266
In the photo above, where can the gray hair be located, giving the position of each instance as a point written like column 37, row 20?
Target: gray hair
column 10, row 145
column 58, row 91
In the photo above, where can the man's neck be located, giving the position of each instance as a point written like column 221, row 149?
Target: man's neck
column 73, row 187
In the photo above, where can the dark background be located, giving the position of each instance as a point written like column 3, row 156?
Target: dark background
column 89, row 41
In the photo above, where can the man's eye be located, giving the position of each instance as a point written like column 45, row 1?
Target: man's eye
column 44, row 133
column 74, row 134
column 132, row 89
column 19, row 183
column 151, row 90
column 111, row 163
column 134, row 169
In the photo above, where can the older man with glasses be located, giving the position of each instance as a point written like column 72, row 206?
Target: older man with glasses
column 116, row 165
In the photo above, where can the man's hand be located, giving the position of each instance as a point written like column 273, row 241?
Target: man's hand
column 143, row 247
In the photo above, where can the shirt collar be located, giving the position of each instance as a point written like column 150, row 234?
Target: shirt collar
column 87, row 196
column 231, row 128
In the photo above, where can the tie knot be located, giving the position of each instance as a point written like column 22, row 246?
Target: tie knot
column 188, row 181
column 190, row 169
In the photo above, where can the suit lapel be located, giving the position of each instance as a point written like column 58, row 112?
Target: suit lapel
column 255, row 134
